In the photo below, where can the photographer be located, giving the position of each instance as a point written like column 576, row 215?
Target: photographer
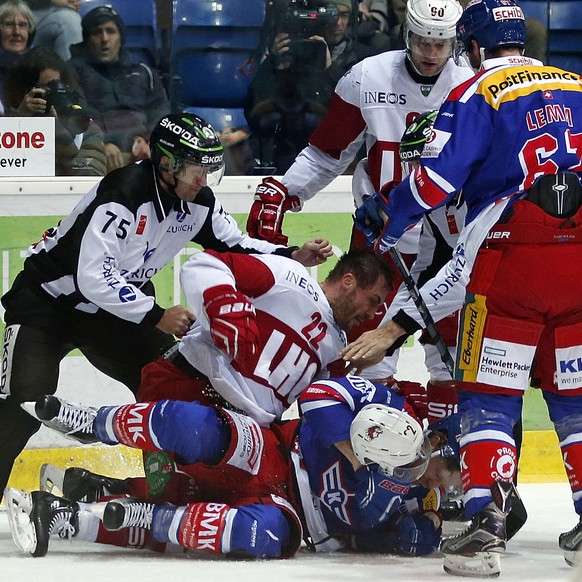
column 39, row 85
column 290, row 94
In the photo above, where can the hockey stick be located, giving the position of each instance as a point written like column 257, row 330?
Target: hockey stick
column 423, row 310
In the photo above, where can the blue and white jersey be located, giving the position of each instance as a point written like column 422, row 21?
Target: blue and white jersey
column 343, row 499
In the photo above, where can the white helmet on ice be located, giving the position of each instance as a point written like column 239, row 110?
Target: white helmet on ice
column 432, row 18
column 391, row 438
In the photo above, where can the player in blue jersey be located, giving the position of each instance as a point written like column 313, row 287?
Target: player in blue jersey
column 520, row 177
column 346, row 468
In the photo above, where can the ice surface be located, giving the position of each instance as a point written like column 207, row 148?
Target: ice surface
column 533, row 555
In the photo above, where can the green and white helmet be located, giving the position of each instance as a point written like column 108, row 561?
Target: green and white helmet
column 416, row 135
column 185, row 138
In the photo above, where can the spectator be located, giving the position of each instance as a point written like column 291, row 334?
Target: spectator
column 79, row 145
column 375, row 21
column 58, row 24
column 124, row 98
column 291, row 92
column 398, row 8
column 16, row 34
column 238, row 153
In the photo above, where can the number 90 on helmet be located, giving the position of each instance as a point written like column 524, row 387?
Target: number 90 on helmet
column 185, row 138
column 393, row 439
column 435, row 19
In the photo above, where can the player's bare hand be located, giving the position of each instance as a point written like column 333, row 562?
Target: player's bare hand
column 176, row 320
column 313, row 252
column 370, row 348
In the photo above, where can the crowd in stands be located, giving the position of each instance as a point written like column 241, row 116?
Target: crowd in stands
column 293, row 75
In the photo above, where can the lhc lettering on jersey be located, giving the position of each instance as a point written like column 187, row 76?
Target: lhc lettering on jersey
column 333, row 494
column 287, row 362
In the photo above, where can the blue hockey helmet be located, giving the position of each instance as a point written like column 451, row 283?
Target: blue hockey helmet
column 493, row 24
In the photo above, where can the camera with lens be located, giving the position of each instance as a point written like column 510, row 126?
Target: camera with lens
column 305, row 18
column 302, row 20
column 67, row 104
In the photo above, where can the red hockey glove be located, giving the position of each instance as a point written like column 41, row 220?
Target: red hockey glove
column 415, row 395
column 265, row 219
column 233, row 326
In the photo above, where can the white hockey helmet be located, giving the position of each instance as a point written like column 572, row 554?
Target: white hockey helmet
column 432, row 18
column 391, row 438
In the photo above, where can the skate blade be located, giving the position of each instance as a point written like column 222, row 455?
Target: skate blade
column 52, row 479
column 18, row 506
column 29, row 407
column 573, row 558
column 480, row 565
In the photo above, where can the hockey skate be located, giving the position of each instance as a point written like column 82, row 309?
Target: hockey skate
column 571, row 543
column 78, row 484
column 128, row 512
column 72, row 420
column 475, row 552
column 34, row 517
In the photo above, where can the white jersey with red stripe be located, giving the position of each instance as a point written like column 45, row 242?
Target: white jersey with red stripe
column 299, row 335
column 373, row 103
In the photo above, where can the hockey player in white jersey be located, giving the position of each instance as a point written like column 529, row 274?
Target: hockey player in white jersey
column 439, row 233
column 264, row 329
column 372, row 105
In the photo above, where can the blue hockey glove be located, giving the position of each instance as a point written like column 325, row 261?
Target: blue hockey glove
column 368, row 221
column 417, row 535
column 372, row 215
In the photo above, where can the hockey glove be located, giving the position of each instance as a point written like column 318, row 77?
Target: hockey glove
column 373, row 217
column 415, row 395
column 403, row 534
column 368, row 220
column 265, row 219
column 233, row 325
column 418, row 534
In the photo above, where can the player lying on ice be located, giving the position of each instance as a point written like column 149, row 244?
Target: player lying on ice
column 353, row 473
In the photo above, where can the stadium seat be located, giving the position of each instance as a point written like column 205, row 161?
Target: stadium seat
column 141, row 26
column 213, row 45
column 538, row 9
column 565, row 34
column 220, row 117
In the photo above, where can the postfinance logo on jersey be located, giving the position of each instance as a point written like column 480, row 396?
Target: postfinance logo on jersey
column 513, row 82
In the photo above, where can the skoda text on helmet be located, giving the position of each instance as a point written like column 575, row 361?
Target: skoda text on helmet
column 493, row 24
column 430, row 30
column 391, row 438
column 416, row 135
column 185, row 138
